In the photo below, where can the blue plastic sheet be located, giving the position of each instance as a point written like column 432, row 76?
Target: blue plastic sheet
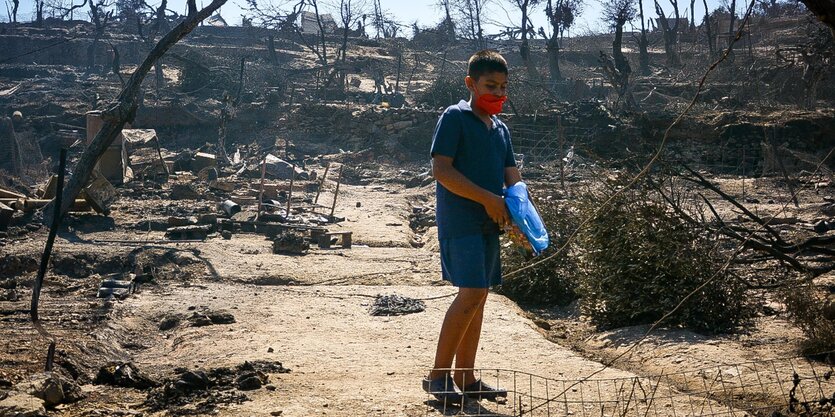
column 525, row 216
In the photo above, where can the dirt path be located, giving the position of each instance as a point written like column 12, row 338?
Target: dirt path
column 311, row 314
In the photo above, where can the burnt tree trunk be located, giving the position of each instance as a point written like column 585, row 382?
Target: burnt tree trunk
column 124, row 109
column 710, row 45
column 731, row 9
column 553, row 48
column 643, row 43
column 670, row 34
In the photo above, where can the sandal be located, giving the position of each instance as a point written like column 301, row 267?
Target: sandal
column 481, row 390
column 443, row 389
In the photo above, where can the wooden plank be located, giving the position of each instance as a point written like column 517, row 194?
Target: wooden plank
column 10, row 194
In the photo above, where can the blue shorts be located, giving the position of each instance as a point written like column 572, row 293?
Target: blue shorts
column 471, row 261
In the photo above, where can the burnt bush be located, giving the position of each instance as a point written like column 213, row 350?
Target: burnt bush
column 638, row 261
column 552, row 281
column 806, row 305
column 444, row 92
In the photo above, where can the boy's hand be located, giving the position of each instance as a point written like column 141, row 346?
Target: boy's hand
column 497, row 210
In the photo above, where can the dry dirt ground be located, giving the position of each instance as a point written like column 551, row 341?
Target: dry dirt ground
column 311, row 314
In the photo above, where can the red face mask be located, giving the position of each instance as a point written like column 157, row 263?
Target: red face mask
column 489, row 103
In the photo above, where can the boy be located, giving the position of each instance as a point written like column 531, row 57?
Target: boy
column 472, row 159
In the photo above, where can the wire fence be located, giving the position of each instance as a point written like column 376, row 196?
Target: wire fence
column 778, row 387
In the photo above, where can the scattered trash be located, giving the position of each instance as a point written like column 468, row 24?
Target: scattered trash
column 396, row 305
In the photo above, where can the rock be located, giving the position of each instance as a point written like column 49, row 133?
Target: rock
column 249, row 381
column 199, row 320
column 226, row 234
column 280, row 169
column 270, row 350
column 207, row 219
column 19, row 404
column 17, row 116
column 270, row 387
column 52, row 388
column 277, row 413
column 195, row 380
column 821, row 226
column 169, row 322
column 184, row 192
column 174, row 221
column 198, row 232
column 221, row 317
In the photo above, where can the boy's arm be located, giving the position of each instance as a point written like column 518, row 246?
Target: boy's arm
column 456, row 182
column 511, row 176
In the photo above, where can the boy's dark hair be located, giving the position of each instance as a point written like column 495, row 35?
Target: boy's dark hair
column 486, row 61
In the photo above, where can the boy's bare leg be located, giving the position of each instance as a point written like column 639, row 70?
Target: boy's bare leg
column 467, row 349
column 466, row 305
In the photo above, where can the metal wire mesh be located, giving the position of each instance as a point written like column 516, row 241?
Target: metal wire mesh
column 778, row 387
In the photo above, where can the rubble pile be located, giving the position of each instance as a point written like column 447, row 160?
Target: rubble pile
column 202, row 391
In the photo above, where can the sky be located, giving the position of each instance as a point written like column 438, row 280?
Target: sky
column 427, row 14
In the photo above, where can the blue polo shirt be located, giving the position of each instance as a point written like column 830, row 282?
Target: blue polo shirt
column 479, row 153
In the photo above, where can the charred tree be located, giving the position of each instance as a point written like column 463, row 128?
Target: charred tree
column 100, row 16
column 643, row 43
column 525, row 7
column 471, row 16
column 732, row 10
column 617, row 13
column 670, row 33
column 124, row 109
column 711, row 47
column 561, row 14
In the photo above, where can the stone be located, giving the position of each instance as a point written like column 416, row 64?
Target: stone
column 207, row 219
column 174, row 221
column 280, row 169
column 199, row 232
column 119, row 293
column 20, row 404
column 50, row 387
column 169, row 322
column 250, row 381
column 221, row 317
column 226, row 234
column 183, row 192
column 195, row 380
column 821, row 226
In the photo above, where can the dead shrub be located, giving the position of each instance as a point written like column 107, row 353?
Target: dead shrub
column 805, row 307
column 638, row 261
column 552, row 281
column 444, row 92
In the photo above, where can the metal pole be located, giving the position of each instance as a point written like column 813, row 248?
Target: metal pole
column 290, row 193
column 261, row 193
column 336, row 193
column 321, row 183
column 50, row 240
